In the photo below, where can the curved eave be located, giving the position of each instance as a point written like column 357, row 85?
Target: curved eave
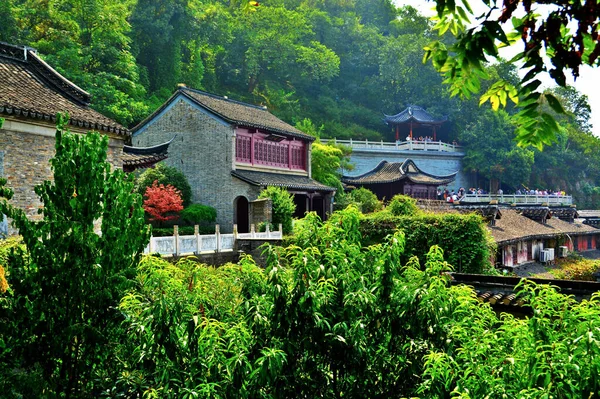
column 391, row 120
column 438, row 181
column 157, row 149
column 352, row 179
column 32, row 114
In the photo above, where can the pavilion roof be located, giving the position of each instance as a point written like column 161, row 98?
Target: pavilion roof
column 31, row 89
column 390, row 172
column 415, row 114
column 293, row 182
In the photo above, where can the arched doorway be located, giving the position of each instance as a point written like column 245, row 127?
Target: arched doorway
column 241, row 214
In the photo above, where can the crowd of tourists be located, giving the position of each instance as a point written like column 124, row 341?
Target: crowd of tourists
column 423, row 139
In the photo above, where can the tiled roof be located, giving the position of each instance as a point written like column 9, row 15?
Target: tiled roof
column 413, row 113
column 30, row 88
column 132, row 162
column 294, row 182
column 389, row 172
column 513, row 226
column 499, row 291
column 144, row 157
column 234, row 112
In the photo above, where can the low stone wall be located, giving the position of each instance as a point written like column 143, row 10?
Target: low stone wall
column 251, row 246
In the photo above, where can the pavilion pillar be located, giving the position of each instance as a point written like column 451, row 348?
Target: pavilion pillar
column 411, row 130
column 397, row 133
column 434, row 138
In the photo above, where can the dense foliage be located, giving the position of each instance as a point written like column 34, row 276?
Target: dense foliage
column 466, row 243
column 329, row 67
column 548, row 46
column 365, row 200
column 403, row 205
column 59, row 322
column 327, row 317
column 283, row 207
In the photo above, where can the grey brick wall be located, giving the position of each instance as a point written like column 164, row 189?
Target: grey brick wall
column 3, row 221
column 203, row 150
column 25, row 164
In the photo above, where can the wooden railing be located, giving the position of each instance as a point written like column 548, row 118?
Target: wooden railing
column 412, row 145
column 177, row 245
column 519, row 199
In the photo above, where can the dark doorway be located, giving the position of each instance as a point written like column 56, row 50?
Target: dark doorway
column 301, row 206
column 240, row 206
column 319, row 206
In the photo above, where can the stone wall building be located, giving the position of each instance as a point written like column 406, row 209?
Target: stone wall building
column 31, row 94
column 229, row 151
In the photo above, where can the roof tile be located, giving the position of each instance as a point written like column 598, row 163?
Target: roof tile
column 265, row 179
column 30, row 88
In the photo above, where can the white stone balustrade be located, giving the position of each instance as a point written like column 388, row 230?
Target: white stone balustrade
column 519, row 199
column 398, row 145
column 177, row 245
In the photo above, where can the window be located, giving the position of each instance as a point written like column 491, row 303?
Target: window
column 261, row 149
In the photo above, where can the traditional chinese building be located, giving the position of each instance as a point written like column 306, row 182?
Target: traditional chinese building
column 230, row 150
column 391, row 178
column 521, row 234
column 31, row 94
column 414, row 122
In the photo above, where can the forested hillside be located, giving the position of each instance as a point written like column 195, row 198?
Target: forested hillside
column 339, row 63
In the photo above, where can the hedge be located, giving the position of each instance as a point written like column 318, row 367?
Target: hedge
column 466, row 242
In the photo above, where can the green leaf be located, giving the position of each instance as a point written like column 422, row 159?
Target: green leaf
column 554, row 103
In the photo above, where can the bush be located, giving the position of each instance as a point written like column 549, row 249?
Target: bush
column 576, row 268
column 363, row 199
column 198, row 214
column 283, row 206
column 464, row 238
column 164, row 174
column 403, row 205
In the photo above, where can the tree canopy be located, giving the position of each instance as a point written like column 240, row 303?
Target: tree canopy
column 335, row 65
column 557, row 38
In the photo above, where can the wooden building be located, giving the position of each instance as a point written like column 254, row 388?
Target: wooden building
column 414, row 122
column 391, row 178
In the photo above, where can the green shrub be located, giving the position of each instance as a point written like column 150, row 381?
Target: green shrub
column 183, row 231
column 465, row 240
column 165, row 175
column 576, row 268
column 344, row 200
column 283, row 206
column 198, row 214
column 366, row 200
column 403, row 205
column 61, row 315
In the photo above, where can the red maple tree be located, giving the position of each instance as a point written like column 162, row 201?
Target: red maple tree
column 162, row 202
